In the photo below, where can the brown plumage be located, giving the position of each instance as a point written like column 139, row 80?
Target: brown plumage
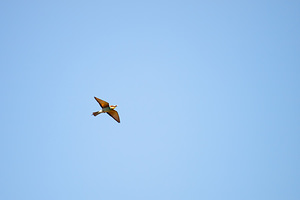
column 96, row 113
column 106, row 108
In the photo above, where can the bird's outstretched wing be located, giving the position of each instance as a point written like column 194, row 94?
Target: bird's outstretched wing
column 114, row 114
column 102, row 103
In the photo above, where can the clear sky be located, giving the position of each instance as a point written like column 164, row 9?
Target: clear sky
column 207, row 92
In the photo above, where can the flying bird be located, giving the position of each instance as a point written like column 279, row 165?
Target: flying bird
column 106, row 108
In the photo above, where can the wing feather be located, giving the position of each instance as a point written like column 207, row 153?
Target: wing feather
column 102, row 103
column 114, row 114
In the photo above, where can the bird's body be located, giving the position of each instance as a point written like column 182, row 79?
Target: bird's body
column 106, row 108
column 103, row 110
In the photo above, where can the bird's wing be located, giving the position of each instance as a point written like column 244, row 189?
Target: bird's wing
column 114, row 114
column 102, row 103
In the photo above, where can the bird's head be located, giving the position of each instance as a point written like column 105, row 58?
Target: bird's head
column 113, row 106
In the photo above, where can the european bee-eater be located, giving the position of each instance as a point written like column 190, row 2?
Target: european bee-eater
column 106, row 108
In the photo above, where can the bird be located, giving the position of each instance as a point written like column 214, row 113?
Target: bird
column 106, row 108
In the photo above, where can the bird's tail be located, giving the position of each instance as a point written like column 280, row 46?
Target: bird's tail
column 96, row 113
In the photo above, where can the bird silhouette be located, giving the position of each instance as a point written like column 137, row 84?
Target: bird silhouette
column 106, row 108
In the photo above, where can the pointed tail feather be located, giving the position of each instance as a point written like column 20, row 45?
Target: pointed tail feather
column 96, row 113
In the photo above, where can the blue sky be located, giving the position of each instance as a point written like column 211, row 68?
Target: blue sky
column 207, row 92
